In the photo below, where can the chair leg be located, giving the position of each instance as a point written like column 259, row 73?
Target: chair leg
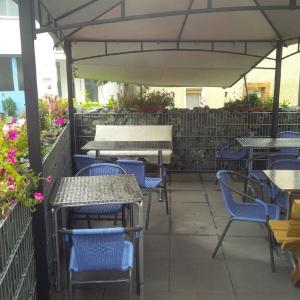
column 70, row 217
column 88, row 221
column 115, row 219
column 130, row 283
column 166, row 197
column 70, row 296
column 271, row 248
column 222, row 238
column 148, row 209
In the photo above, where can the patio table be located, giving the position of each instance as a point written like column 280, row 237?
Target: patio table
column 266, row 143
column 138, row 148
column 90, row 190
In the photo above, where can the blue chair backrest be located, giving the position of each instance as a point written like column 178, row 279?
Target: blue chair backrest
column 223, row 180
column 286, row 164
column 98, row 249
column 135, row 167
column 83, row 161
column 280, row 156
column 101, row 169
column 289, row 134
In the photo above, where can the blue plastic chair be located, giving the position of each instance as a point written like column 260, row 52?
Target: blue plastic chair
column 256, row 211
column 91, row 211
column 83, row 161
column 137, row 168
column 281, row 198
column 289, row 134
column 103, row 249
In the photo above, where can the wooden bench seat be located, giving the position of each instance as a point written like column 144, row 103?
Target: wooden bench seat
column 287, row 233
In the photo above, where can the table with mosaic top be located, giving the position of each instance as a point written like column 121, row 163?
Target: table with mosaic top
column 91, row 190
column 266, row 143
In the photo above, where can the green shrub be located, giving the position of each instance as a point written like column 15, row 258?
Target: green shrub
column 9, row 107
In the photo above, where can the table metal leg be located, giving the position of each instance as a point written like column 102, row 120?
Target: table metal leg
column 56, row 250
column 160, row 163
column 141, row 243
column 250, row 164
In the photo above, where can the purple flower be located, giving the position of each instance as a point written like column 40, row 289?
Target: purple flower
column 59, row 121
column 10, row 180
column 49, row 179
column 39, row 196
column 11, row 156
column 13, row 134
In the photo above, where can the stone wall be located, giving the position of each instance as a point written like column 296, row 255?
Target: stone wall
column 196, row 133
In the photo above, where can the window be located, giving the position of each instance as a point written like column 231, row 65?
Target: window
column 8, row 8
column 91, row 88
column 6, row 75
column 193, row 97
column 20, row 73
column 262, row 89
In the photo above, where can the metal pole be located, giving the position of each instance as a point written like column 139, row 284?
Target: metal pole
column 68, row 53
column 277, row 81
column 27, row 32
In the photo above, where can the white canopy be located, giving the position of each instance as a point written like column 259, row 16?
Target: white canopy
column 164, row 42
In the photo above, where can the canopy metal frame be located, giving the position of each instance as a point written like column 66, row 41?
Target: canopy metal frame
column 31, row 10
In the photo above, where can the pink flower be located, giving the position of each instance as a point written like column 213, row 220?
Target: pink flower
column 49, row 179
column 56, row 110
column 13, row 201
column 10, row 180
column 59, row 121
column 12, row 152
column 11, row 156
column 12, row 187
column 39, row 196
column 12, row 134
column 14, row 120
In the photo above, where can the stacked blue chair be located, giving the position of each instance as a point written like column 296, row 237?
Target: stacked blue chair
column 91, row 211
column 256, row 211
column 280, row 197
column 82, row 161
column 289, row 134
column 137, row 168
column 103, row 249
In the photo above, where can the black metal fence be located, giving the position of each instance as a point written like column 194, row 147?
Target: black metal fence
column 17, row 264
column 196, row 133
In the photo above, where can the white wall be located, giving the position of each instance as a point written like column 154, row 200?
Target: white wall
column 45, row 59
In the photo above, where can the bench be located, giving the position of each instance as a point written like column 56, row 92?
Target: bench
column 125, row 133
column 287, row 233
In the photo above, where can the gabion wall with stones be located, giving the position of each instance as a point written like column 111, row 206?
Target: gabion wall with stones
column 57, row 164
column 17, row 264
column 197, row 133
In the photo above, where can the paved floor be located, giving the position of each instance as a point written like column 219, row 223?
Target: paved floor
column 178, row 248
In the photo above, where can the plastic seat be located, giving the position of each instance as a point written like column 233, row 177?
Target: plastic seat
column 83, row 161
column 102, row 249
column 256, row 211
column 90, row 211
column 137, row 168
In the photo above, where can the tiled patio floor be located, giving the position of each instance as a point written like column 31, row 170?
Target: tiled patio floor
column 178, row 248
